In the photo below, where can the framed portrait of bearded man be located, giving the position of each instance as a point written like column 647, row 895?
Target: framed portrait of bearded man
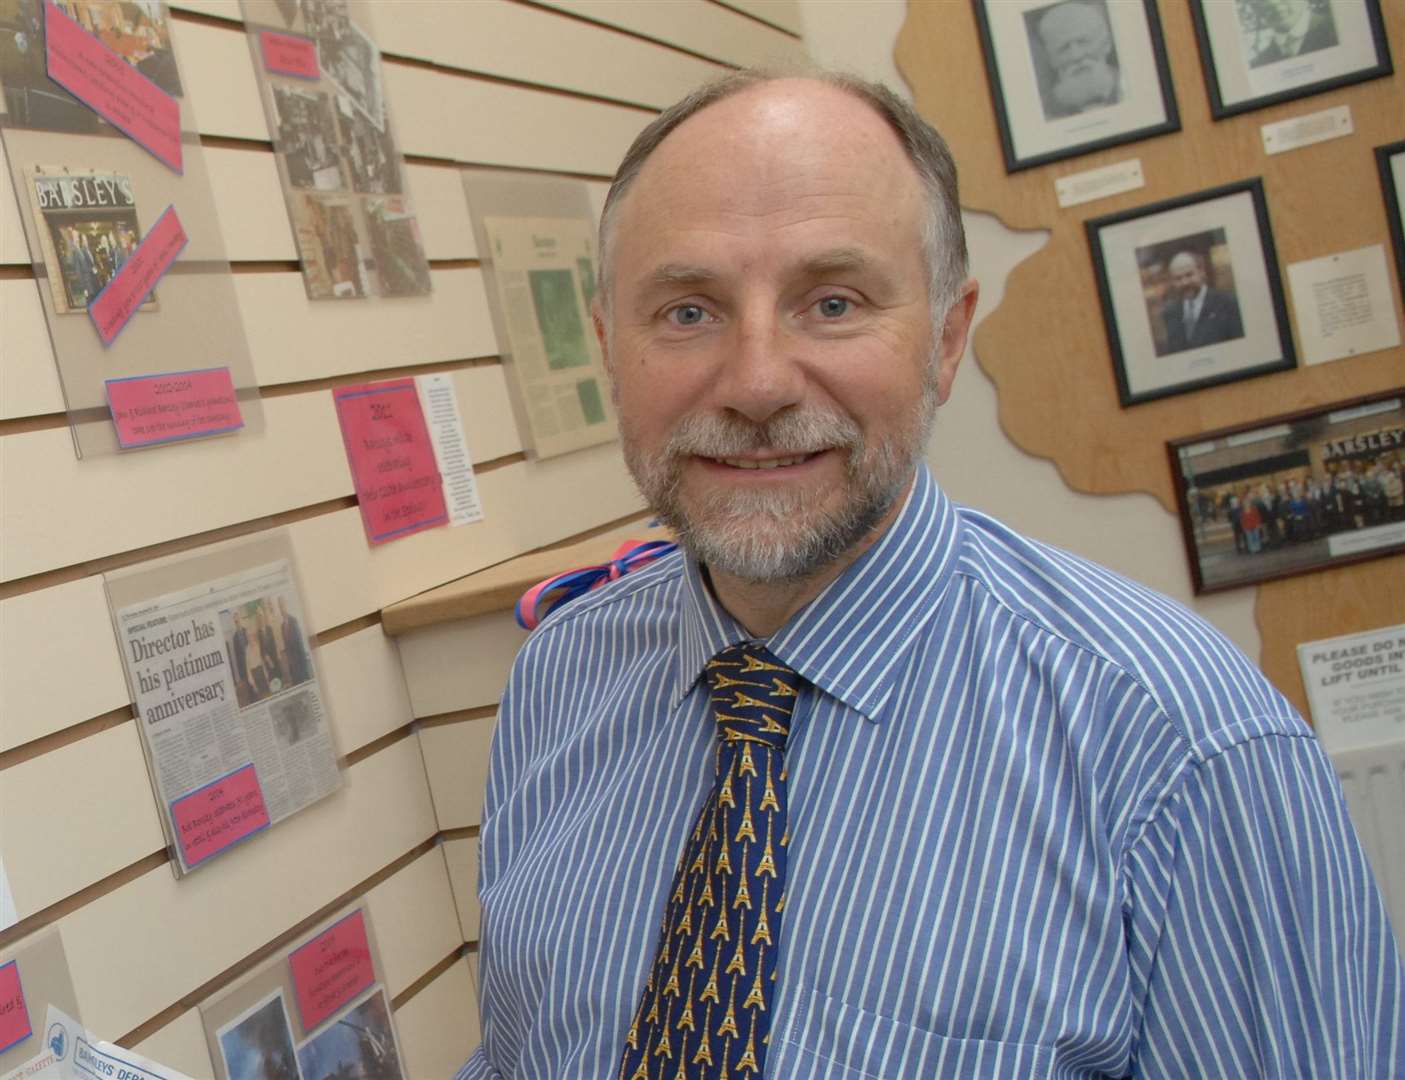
column 1071, row 76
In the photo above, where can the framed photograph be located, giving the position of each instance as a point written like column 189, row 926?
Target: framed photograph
column 1190, row 292
column 1071, row 76
column 1261, row 52
column 1391, row 162
column 1296, row 493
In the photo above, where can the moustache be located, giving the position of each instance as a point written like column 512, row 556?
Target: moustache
column 790, row 433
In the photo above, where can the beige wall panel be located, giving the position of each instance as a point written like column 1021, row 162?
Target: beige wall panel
column 365, row 692
column 436, row 192
column 439, row 1025
column 343, row 578
column 178, row 935
column 45, row 638
column 52, row 498
column 462, row 859
column 495, row 124
column 456, row 759
column 180, row 1045
column 784, row 14
column 219, row 77
column 13, row 246
column 460, row 665
column 499, row 37
column 29, row 382
column 696, row 25
column 293, row 338
column 97, row 788
column 219, row 9
column 416, row 925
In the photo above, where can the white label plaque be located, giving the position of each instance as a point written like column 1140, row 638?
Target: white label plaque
column 1305, row 130
column 1099, row 183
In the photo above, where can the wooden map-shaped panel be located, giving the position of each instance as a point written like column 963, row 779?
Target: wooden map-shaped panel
column 1046, row 347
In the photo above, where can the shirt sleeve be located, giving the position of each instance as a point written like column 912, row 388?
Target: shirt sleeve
column 477, row 1068
column 1257, row 933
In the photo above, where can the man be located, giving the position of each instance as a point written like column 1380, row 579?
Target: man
column 1040, row 821
column 1196, row 315
column 1077, row 43
column 1284, row 29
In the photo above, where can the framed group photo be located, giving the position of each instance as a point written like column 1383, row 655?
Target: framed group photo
column 1190, row 291
column 1295, row 493
column 1262, row 52
column 1072, row 76
column 1391, row 162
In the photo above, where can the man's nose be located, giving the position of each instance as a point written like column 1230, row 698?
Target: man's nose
column 761, row 372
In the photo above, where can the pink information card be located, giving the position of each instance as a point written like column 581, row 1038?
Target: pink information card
column 152, row 409
column 120, row 298
column 331, row 969
column 219, row 815
column 288, row 54
column 14, row 1016
column 112, row 88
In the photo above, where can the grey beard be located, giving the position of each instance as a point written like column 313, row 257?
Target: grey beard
column 776, row 537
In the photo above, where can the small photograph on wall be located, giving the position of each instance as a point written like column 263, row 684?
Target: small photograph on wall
column 307, row 135
column 334, row 253
column 360, row 1044
column 259, row 1044
column 1262, row 52
column 1391, row 162
column 1190, row 292
column 1292, row 494
column 1071, row 76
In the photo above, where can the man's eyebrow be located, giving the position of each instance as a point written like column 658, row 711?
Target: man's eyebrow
column 839, row 260
column 680, row 274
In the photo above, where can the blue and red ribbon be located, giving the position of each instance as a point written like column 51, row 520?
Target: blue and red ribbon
column 545, row 596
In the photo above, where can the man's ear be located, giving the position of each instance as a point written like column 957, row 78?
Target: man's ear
column 954, row 332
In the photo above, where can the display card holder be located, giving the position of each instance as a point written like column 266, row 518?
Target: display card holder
column 229, row 702
column 318, row 1010
column 34, row 982
column 177, row 366
column 536, row 241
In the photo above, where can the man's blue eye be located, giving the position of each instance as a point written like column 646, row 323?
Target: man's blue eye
column 831, row 307
column 688, row 315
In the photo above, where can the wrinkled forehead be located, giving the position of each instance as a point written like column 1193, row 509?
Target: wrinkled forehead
column 1072, row 22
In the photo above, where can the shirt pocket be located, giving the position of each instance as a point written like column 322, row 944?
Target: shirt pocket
column 829, row 1040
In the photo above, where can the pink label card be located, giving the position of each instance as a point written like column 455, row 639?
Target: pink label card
column 288, row 54
column 112, row 308
column 331, row 969
column 152, row 409
column 14, row 1015
column 391, row 458
column 217, row 816
column 112, row 88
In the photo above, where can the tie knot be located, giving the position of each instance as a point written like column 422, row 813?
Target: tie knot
column 753, row 695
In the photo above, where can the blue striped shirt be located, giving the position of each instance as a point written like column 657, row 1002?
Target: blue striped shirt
column 1044, row 823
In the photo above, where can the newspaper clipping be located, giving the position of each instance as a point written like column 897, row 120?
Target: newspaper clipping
column 546, row 278
column 229, row 708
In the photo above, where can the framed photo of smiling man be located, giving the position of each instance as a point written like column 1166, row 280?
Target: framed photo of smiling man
column 1071, row 76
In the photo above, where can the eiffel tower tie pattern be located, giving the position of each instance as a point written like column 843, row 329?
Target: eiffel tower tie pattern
column 706, row 1007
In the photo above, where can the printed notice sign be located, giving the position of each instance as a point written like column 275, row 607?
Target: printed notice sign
column 134, row 282
column 111, row 87
column 441, row 412
column 152, row 409
column 391, row 458
column 1344, row 304
column 1356, row 687
column 14, row 1015
column 219, row 815
column 331, row 969
column 288, row 54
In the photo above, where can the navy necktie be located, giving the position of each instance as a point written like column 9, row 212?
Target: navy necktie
column 706, row 1008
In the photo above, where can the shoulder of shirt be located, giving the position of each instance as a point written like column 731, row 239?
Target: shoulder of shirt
column 650, row 591
column 1199, row 680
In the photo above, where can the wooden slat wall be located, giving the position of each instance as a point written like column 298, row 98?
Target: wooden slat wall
column 559, row 88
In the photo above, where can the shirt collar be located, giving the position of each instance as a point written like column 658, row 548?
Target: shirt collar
column 850, row 640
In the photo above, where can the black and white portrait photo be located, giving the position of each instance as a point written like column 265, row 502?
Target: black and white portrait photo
column 1075, row 57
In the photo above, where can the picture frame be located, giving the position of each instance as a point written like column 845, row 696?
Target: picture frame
column 1289, row 495
column 1068, row 77
column 1190, row 291
column 1256, row 53
column 1390, row 161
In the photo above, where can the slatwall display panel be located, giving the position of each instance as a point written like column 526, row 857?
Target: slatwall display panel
column 699, row 26
column 179, row 935
column 461, row 664
column 219, row 76
column 462, row 858
column 51, row 497
column 439, row 1025
column 181, row 1045
column 456, row 759
column 47, row 634
column 782, row 14
column 503, row 38
column 415, row 920
column 364, row 689
column 1373, row 780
